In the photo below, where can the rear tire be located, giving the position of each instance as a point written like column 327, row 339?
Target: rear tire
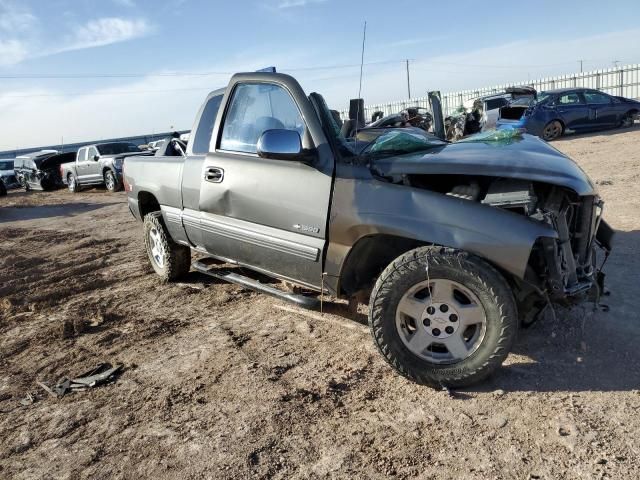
column 168, row 259
column 552, row 130
column 72, row 183
column 627, row 120
column 465, row 330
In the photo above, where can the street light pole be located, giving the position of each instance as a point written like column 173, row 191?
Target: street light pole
column 408, row 80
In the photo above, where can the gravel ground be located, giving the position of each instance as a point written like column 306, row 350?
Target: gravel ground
column 222, row 382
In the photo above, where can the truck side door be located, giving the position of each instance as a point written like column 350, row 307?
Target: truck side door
column 94, row 175
column 265, row 213
column 81, row 165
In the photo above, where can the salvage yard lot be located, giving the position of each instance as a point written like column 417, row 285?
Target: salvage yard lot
column 222, row 382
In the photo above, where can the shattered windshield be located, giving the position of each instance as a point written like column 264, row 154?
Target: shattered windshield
column 504, row 136
column 400, row 141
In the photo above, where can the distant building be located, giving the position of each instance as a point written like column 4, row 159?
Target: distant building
column 73, row 147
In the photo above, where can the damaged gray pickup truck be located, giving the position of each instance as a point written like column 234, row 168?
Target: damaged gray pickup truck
column 454, row 245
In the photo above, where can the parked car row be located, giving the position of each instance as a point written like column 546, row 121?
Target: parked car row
column 552, row 113
column 99, row 164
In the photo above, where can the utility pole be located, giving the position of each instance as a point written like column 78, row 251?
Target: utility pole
column 580, row 65
column 615, row 63
column 408, row 80
column 62, row 144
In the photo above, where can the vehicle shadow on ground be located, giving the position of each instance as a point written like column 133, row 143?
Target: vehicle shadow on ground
column 19, row 213
column 582, row 349
column 597, row 133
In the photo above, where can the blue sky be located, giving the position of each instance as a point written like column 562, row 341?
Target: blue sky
column 166, row 51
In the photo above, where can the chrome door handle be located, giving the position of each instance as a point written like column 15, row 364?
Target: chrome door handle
column 213, row 174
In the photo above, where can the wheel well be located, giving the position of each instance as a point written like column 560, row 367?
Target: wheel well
column 633, row 111
column 560, row 122
column 368, row 257
column 105, row 170
column 147, row 203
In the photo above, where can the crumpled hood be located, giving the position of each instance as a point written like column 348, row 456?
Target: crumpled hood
column 524, row 157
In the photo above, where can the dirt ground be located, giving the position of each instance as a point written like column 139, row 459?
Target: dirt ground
column 222, row 382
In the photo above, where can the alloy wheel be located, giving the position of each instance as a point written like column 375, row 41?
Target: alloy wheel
column 157, row 247
column 552, row 130
column 441, row 321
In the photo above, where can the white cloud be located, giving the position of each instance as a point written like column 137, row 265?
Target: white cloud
column 15, row 18
column 41, row 116
column 125, row 3
column 105, row 31
column 12, row 52
column 298, row 3
column 15, row 23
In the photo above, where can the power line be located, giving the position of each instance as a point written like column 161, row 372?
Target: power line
column 176, row 74
column 18, row 76
column 93, row 94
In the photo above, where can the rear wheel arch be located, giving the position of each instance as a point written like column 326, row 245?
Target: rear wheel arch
column 147, row 203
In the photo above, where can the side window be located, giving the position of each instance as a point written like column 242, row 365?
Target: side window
column 569, row 99
column 82, row 154
column 595, row 97
column 91, row 152
column 254, row 109
column 495, row 103
column 202, row 137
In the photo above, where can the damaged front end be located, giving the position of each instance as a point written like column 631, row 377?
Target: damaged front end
column 567, row 266
column 518, row 173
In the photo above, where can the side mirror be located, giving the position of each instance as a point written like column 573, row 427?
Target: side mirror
column 280, row 144
column 96, row 158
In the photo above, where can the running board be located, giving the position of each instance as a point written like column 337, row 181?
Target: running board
column 300, row 300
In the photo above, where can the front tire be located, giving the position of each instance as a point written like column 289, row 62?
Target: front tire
column 443, row 317
column 552, row 130
column 111, row 181
column 168, row 259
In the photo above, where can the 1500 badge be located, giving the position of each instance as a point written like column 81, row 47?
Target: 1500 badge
column 306, row 228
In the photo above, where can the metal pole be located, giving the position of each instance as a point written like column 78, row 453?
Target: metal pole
column 408, row 81
column 580, row 65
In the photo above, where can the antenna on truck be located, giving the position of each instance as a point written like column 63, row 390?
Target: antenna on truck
column 364, row 39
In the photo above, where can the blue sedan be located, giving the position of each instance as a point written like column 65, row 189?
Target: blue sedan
column 555, row 112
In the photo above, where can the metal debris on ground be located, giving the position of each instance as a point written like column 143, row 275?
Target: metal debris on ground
column 27, row 400
column 103, row 373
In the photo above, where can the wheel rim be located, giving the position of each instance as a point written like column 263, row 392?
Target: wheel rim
column 627, row 121
column 156, row 247
column 552, row 130
column 441, row 321
column 109, row 181
column 72, row 184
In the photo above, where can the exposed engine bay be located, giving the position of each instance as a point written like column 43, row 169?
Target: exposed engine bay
column 558, row 268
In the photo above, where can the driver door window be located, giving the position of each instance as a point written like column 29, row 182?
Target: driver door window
column 254, row 109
